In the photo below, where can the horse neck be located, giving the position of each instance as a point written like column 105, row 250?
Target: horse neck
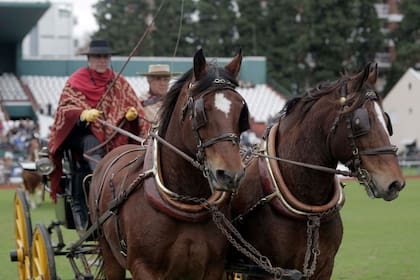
column 307, row 144
column 179, row 175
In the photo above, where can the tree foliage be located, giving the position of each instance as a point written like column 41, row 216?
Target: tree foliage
column 305, row 41
column 407, row 42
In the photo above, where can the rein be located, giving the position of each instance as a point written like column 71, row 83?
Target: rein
column 251, row 153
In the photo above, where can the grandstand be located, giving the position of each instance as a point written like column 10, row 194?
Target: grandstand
column 32, row 85
column 263, row 102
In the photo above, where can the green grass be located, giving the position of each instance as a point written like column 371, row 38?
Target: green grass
column 43, row 215
column 380, row 238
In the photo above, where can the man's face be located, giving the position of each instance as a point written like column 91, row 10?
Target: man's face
column 99, row 62
column 158, row 84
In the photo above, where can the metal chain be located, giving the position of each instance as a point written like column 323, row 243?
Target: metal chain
column 234, row 237
column 312, row 245
column 241, row 217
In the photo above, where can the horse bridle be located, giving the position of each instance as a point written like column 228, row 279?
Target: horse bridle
column 357, row 123
column 197, row 115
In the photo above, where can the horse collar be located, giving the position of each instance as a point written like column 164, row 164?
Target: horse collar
column 169, row 202
column 281, row 198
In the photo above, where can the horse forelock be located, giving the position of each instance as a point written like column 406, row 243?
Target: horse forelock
column 357, row 95
column 168, row 105
column 213, row 73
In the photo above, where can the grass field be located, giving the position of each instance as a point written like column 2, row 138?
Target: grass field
column 381, row 239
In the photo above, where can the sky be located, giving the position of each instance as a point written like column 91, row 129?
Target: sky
column 82, row 10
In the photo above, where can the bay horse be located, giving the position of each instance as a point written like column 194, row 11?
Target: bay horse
column 289, row 201
column 31, row 179
column 161, row 227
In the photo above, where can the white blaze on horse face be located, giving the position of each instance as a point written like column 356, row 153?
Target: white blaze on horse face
column 380, row 116
column 222, row 103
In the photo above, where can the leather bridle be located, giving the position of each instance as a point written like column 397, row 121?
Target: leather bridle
column 357, row 124
column 197, row 114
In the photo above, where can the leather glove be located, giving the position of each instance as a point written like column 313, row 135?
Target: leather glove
column 90, row 115
column 131, row 114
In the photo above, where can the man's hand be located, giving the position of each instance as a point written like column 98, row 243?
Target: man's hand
column 131, row 114
column 90, row 115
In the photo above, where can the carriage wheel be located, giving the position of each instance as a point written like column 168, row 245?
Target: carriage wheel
column 23, row 232
column 43, row 263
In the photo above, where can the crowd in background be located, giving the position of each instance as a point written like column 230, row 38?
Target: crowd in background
column 14, row 140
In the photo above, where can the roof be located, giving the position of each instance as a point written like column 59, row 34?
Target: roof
column 402, row 103
column 263, row 102
column 18, row 18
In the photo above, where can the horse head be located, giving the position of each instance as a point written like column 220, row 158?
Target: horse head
column 360, row 137
column 203, row 116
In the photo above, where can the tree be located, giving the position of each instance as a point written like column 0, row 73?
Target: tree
column 123, row 22
column 215, row 31
column 171, row 34
column 305, row 41
column 250, row 26
column 407, row 42
column 314, row 41
column 286, row 39
column 367, row 38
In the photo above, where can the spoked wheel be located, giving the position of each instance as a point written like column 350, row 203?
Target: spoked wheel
column 23, row 232
column 43, row 263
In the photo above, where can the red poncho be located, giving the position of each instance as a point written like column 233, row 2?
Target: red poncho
column 84, row 90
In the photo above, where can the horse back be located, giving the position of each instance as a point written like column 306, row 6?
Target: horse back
column 121, row 165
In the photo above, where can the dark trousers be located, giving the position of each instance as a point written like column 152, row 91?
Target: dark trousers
column 79, row 142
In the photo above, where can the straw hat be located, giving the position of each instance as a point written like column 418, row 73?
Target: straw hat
column 98, row 46
column 159, row 70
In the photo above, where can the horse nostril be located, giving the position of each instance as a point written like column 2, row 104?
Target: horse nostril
column 229, row 179
column 397, row 186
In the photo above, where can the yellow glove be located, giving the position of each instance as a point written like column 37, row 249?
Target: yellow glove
column 90, row 115
column 131, row 114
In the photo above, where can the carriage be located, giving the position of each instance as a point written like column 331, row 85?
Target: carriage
column 167, row 209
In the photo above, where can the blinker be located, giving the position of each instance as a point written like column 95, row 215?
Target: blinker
column 199, row 114
column 244, row 119
column 360, row 122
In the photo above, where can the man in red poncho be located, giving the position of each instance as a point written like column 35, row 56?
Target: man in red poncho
column 75, row 128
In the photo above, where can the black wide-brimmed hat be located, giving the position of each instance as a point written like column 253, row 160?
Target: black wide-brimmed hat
column 99, row 46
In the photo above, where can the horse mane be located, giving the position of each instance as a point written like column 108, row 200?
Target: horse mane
column 312, row 95
column 170, row 100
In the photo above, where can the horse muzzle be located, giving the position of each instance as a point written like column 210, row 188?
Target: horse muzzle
column 389, row 194
column 223, row 180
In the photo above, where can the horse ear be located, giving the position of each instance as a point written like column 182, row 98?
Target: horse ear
column 200, row 65
column 361, row 78
column 373, row 73
column 235, row 65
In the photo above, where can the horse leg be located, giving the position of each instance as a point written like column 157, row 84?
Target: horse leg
column 38, row 195
column 28, row 195
column 139, row 271
column 111, row 268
